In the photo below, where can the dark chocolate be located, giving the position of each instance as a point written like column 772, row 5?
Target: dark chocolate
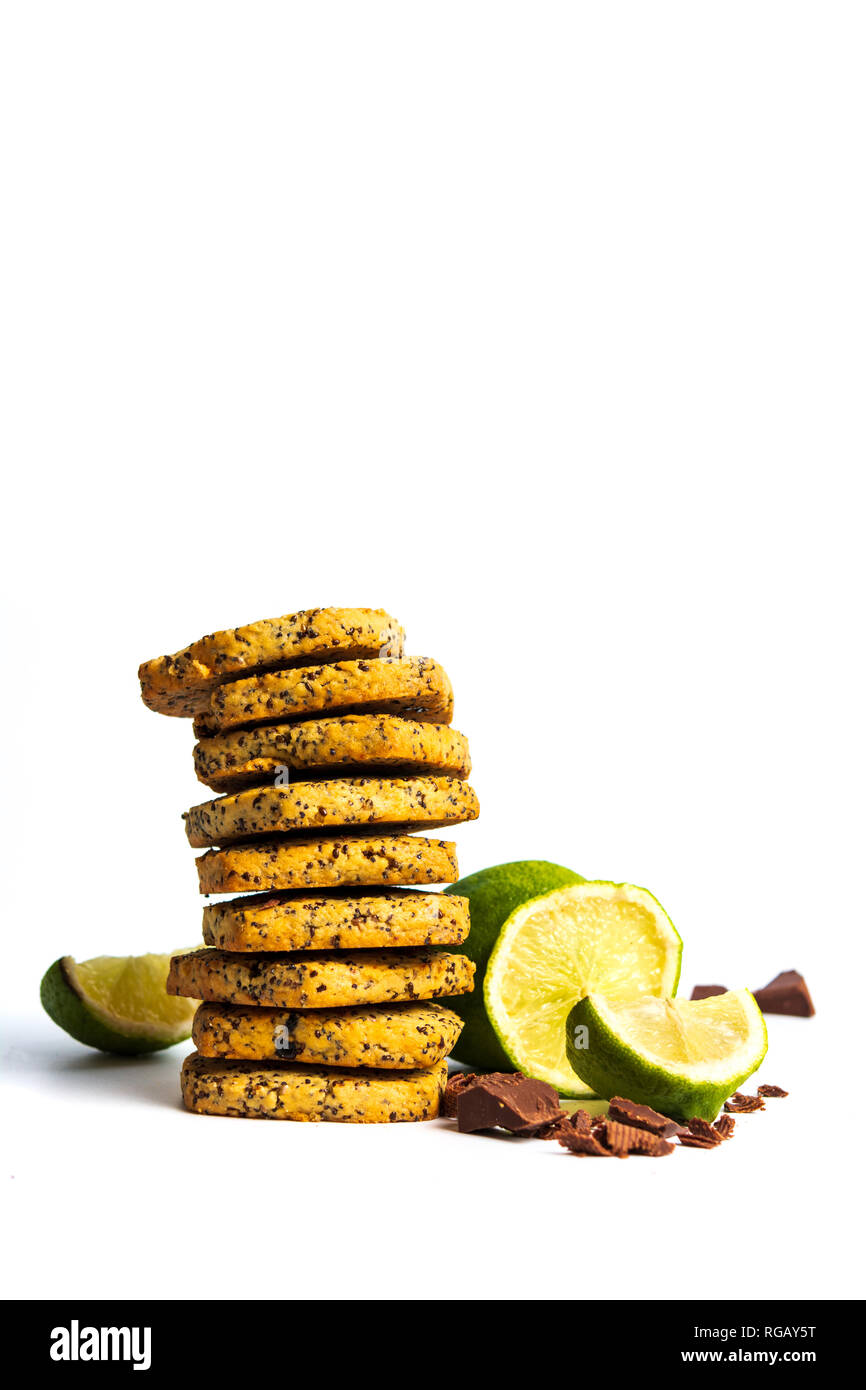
column 788, row 993
column 506, row 1100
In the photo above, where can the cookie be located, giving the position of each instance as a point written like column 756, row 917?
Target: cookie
column 319, row 980
column 411, row 685
column 181, row 684
column 337, row 921
column 395, row 1037
column 350, row 803
column 290, row 1091
column 371, row 742
column 331, row 863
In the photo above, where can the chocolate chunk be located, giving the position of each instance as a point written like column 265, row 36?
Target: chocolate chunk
column 628, row 1112
column 725, row 1126
column 456, row 1083
column 506, row 1100
column 743, row 1105
column 772, row 1091
column 707, row 991
column 704, row 1130
column 625, row 1139
column 787, row 994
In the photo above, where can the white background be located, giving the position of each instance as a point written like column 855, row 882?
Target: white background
column 542, row 327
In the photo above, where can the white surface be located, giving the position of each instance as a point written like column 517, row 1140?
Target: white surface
column 114, row 1190
column 542, row 328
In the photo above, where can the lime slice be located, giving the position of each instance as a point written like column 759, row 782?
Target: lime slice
column 117, row 1003
column 683, row 1057
column 493, row 895
column 609, row 937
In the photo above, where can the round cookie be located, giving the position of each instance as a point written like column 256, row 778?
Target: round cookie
column 180, row 684
column 289, row 1091
column 331, row 863
column 395, row 1037
column 412, row 685
column 320, row 980
column 372, row 742
column 337, row 921
column 350, row 803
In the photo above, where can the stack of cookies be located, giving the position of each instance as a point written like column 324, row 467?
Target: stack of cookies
column 329, row 748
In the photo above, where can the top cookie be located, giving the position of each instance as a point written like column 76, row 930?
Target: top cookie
column 180, row 684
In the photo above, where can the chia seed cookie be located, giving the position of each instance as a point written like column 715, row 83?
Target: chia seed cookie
column 337, row 921
column 399, row 1037
column 372, row 742
column 412, row 685
column 324, row 979
column 357, row 803
column 291, row 1091
column 331, row 863
column 180, row 684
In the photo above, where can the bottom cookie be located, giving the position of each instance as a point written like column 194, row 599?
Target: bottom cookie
column 289, row 1091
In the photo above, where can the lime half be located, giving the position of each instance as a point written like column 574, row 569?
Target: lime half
column 607, row 937
column 117, row 1003
column 493, row 895
column 680, row 1056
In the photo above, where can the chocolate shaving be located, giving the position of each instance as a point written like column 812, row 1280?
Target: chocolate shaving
column 743, row 1105
column 725, row 1126
column 707, row 991
column 628, row 1112
column 788, row 993
column 625, row 1139
column 578, row 1142
column 772, row 1091
column 703, row 1130
column 697, row 1141
column 578, row 1121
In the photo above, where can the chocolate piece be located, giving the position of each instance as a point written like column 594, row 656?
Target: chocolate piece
column 628, row 1112
column 456, row 1083
column 707, row 991
column 697, row 1141
column 704, row 1130
column 506, row 1100
column 625, row 1139
column 725, row 1126
column 743, row 1105
column 772, row 1091
column 579, row 1121
column 787, row 994
column 578, row 1142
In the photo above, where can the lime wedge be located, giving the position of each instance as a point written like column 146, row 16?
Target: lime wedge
column 117, row 1003
column 680, row 1056
column 591, row 936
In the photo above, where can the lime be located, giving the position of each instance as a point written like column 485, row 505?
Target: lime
column 683, row 1057
column 117, row 1003
column 610, row 937
column 493, row 895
